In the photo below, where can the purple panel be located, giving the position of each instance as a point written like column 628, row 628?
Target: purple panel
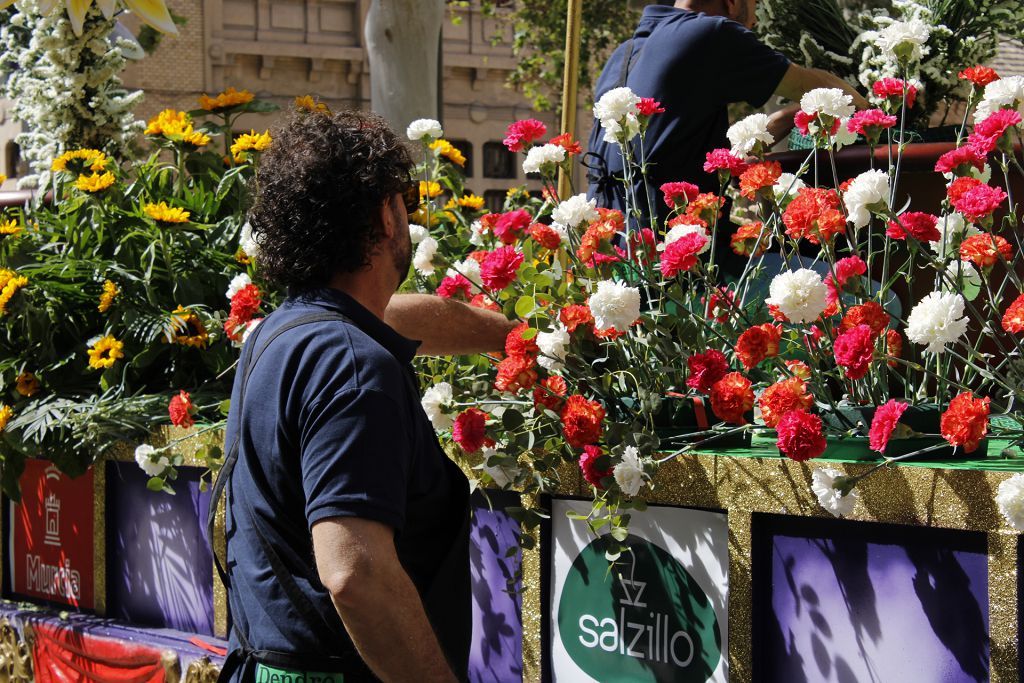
column 852, row 603
column 496, row 655
column 159, row 565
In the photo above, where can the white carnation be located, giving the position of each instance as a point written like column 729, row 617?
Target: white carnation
column 747, row 133
column 629, row 474
column 800, row 295
column 575, row 210
column 614, row 305
column 417, row 233
column 953, row 229
column 904, row 39
column 247, row 242
column 787, row 186
column 538, row 157
column 1010, row 500
column 151, row 463
column 563, row 232
column 553, row 347
column 937, row 320
column 477, row 234
column 469, row 269
column 829, row 102
column 971, row 279
column 424, row 128
column 436, row 403
column 823, row 484
column 679, row 231
column 1002, row 94
column 844, row 136
column 423, row 259
column 616, row 110
column 238, row 283
column 869, row 190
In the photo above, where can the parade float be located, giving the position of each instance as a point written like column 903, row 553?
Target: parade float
column 800, row 468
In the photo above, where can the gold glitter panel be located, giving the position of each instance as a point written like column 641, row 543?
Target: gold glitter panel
column 99, row 530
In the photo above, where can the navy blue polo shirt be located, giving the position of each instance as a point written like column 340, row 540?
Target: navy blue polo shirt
column 695, row 65
column 332, row 426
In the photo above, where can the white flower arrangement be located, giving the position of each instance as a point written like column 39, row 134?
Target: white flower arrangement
column 827, row 102
column 832, row 499
column 152, row 463
column 617, row 112
column 553, row 347
column 437, row 404
column 424, row 130
column 575, row 210
column 423, row 259
column 541, row 158
column 417, row 233
column 678, row 231
column 801, row 295
column 937, row 320
column 1010, row 500
column 746, row 134
column 629, row 474
column 869, row 191
column 614, row 304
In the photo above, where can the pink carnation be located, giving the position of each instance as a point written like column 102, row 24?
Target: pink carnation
column 870, row 123
column 987, row 133
column 499, row 268
column 588, row 465
column 958, row 160
column 845, row 270
column 893, row 88
column 800, row 435
column 454, row 285
column 648, row 106
column 918, row 224
column 887, row 416
column 681, row 255
column 854, row 350
column 802, row 120
column 524, row 132
column 679, row 193
column 725, row 161
column 512, row 225
column 979, row 201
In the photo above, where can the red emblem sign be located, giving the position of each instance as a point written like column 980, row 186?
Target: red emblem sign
column 52, row 536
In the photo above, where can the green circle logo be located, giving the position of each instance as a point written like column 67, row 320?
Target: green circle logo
column 643, row 618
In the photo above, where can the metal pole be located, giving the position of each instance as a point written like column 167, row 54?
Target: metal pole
column 570, row 81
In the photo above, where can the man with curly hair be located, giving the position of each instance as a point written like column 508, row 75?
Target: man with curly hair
column 347, row 525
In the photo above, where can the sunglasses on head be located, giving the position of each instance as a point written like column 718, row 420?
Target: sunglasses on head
column 411, row 197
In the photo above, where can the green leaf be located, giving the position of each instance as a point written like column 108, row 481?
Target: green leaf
column 224, row 406
column 155, row 484
column 525, row 306
column 620, row 533
column 512, row 419
column 529, row 333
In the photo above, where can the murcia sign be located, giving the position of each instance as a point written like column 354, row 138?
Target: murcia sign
column 656, row 614
column 51, row 536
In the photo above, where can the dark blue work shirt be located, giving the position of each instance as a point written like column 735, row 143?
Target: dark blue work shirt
column 695, row 65
column 332, row 426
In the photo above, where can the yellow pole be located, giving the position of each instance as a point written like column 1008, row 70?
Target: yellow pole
column 570, row 81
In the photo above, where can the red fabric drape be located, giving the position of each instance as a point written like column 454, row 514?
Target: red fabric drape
column 63, row 655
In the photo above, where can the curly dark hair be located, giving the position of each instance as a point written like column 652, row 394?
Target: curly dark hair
column 317, row 192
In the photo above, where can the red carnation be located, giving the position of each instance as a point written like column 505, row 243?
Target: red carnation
column 869, row 313
column 854, row 350
column 469, row 430
column 887, row 416
column 245, row 303
column 545, row 236
column 758, row 177
column 581, row 421
column 648, row 106
column 892, row 89
column 706, row 369
column 732, row 398
column 918, row 224
column 522, row 133
column 803, row 120
column 481, row 300
column 515, row 345
column 979, row 75
column 725, row 162
column 516, row 373
column 550, row 393
column 747, row 240
column 1013, row 319
column 800, row 435
column 965, row 422
column 984, row 250
column 498, row 270
column 960, row 187
column 960, row 160
column 588, row 465
column 644, row 245
column 681, row 255
column 181, row 410
column 454, row 285
column 782, row 397
column 706, row 207
column 487, row 222
column 574, row 315
column 870, row 123
column 565, row 141
column 679, row 193
column 814, row 215
column 845, row 270
column 757, row 344
column 721, row 303
column 510, row 226
column 991, row 131
column 893, row 347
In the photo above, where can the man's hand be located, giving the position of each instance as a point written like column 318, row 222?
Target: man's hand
column 799, row 80
column 377, row 600
column 781, row 122
column 447, row 327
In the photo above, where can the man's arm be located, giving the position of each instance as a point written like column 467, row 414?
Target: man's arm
column 799, row 80
column 377, row 601
column 447, row 327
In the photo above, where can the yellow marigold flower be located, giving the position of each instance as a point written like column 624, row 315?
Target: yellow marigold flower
column 79, row 160
column 9, row 227
column 226, row 99
column 448, row 151
column 104, row 352
column 188, row 329
column 514, row 192
column 196, row 139
column 309, row 104
column 162, row 213
column 10, row 283
column 26, row 384
column 96, row 182
column 471, row 201
column 110, row 292
column 451, row 204
column 3, row 179
column 169, row 121
column 429, row 189
column 420, row 217
column 6, row 413
column 249, row 142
